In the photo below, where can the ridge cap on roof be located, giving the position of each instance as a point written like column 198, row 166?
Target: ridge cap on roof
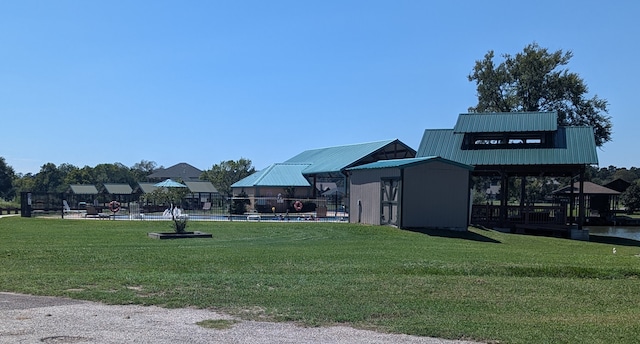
column 264, row 172
column 508, row 112
column 290, row 163
column 576, row 126
column 353, row 144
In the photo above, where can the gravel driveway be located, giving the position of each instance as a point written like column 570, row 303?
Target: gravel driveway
column 38, row 319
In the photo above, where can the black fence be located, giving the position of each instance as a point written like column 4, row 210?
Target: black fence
column 212, row 207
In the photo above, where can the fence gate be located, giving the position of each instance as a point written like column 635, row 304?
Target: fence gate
column 389, row 201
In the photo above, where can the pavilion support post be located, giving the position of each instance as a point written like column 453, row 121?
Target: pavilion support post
column 572, row 201
column 523, row 211
column 504, row 197
column 581, row 201
column 314, row 192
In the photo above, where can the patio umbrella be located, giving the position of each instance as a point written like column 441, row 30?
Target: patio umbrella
column 169, row 183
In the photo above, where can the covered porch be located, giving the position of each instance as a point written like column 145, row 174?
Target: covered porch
column 560, row 217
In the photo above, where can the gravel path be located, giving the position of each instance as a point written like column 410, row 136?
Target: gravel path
column 37, row 319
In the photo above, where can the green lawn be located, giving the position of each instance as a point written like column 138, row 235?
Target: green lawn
column 484, row 286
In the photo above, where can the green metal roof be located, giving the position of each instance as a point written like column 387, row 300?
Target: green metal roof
column 118, row 189
column 146, row 187
column 404, row 163
column 324, row 160
column 506, row 122
column 574, row 146
column 203, row 187
column 284, row 174
column 83, row 189
column 335, row 159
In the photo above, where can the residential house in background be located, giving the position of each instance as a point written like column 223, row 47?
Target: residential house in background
column 179, row 172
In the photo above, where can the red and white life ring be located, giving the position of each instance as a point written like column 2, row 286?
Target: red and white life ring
column 297, row 205
column 114, row 206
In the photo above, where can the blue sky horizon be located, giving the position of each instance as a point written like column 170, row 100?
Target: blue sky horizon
column 201, row 82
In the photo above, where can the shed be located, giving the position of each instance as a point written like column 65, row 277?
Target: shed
column 427, row 192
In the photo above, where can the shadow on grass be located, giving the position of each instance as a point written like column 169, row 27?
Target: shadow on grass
column 444, row 233
column 603, row 239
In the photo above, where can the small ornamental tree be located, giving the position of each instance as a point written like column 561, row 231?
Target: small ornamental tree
column 173, row 197
column 240, row 203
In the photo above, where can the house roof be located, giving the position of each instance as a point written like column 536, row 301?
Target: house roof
column 571, row 145
column 335, row 159
column 589, row 189
column 283, row 174
column 404, row 163
column 618, row 185
column 182, row 171
column 118, row 189
column 84, row 189
column 506, row 122
column 202, row 187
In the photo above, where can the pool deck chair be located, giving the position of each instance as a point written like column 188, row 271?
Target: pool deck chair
column 206, row 206
column 93, row 212
column 67, row 209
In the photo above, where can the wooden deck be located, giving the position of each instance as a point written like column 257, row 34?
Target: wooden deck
column 532, row 220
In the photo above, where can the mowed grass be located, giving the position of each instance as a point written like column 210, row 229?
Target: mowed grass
column 485, row 285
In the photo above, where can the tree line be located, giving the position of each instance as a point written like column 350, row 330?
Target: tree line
column 57, row 179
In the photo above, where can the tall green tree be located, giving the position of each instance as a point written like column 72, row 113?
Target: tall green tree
column 24, row 182
column 49, row 179
column 224, row 174
column 142, row 169
column 7, row 175
column 112, row 173
column 631, row 197
column 536, row 80
column 80, row 176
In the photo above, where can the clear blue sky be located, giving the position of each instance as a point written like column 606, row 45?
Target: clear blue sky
column 90, row 82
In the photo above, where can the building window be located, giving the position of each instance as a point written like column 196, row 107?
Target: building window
column 507, row 140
